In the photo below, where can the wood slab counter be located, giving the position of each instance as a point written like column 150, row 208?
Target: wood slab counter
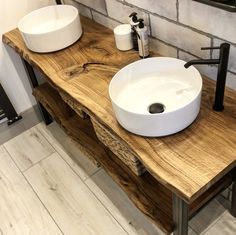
column 187, row 163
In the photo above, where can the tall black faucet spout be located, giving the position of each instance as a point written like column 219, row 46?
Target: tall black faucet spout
column 222, row 72
column 210, row 61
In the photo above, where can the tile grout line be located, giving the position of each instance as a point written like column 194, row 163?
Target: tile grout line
column 33, row 164
column 193, row 229
column 36, row 163
column 118, row 222
column 34, row 190
column 83, row 181
column 214, row 223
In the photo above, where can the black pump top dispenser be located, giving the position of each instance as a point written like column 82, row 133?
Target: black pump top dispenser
column 133, row 17
column 141, row 23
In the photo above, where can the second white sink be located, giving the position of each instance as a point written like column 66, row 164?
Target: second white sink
column 156, row 96
column 51, row 28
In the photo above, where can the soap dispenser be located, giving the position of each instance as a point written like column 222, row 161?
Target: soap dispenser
column 134, row 23
column 143, row 43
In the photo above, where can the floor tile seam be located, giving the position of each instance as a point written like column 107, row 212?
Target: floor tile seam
column 56, row 142
column 214, row 223
column 83, row 181
column 39, row 161
column 28, row 183
column 107, row 209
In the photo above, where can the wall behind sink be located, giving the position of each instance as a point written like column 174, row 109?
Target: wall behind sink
column 12, row 74
column 178, row 28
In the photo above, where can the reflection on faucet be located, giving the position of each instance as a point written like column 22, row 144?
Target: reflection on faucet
column 222, row 72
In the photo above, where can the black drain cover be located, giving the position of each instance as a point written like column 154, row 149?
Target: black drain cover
column 156, row 108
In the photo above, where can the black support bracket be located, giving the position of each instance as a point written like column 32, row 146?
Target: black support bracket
column 8, row 108
column 233, row 202
column 58, row 2
column 34, row 83
column 180, row 216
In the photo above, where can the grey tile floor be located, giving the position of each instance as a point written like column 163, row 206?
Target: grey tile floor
column 43, row 191
column 30, row 118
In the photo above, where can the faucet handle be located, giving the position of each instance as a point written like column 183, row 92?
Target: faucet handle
column 210, row 48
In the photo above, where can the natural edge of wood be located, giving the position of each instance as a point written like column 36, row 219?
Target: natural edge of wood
column 121, row 151
column 88, row 88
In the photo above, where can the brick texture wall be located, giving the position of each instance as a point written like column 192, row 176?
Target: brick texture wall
column 178, row 28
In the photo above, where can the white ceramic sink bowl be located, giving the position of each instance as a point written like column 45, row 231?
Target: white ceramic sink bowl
column 51, row 28
column 156, row 80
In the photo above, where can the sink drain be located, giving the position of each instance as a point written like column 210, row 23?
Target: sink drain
column 156, row 108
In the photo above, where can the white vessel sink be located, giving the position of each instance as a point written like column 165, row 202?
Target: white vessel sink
column 51, row 28
column 174, row 90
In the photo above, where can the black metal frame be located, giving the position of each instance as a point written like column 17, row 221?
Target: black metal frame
column 58, row 2
column 34, row 83
column 228, row 6
column 181, row 210
column 233, row 202
column 180, row 216
column 8, row 108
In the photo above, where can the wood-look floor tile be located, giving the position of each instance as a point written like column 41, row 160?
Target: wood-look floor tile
column 21, row 212
column 9, row 132
column 68, row 150
column 207, row 216
column 73, row 206
column 116, row 201
column 28, row 148
column 50, row 132
column 226, row 225
column 81, row 164
column 31, row 117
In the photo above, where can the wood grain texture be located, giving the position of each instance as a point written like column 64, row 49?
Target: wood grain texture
column 187, row 163
column 118, row 148
column 21, row 211
column 76, row 107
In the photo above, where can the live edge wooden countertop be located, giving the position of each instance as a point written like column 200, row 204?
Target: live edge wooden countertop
column 187, row 163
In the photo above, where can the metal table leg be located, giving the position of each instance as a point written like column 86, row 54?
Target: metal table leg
column 8, row 108
column 233, row 202
column 34, row 83
column 180, row 216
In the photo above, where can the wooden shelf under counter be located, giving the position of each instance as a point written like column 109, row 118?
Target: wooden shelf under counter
column 151, row 197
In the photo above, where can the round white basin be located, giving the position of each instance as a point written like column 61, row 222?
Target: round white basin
column 51, row 28
column 156, row 96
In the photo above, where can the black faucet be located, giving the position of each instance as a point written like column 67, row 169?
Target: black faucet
column 221, row 75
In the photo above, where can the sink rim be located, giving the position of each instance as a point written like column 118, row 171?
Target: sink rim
column 37, row 11
column 165, row 112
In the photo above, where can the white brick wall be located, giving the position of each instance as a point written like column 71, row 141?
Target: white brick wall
column 121, row 12
column 162, row 48
column 179, row 36
column 232, row 57
column 208, row 19
column 85, row 11
column 179, row 28
column 101, row 19
column 166, row 8
column 98, row 5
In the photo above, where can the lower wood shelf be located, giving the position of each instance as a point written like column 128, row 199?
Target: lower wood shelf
column 151, row 197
